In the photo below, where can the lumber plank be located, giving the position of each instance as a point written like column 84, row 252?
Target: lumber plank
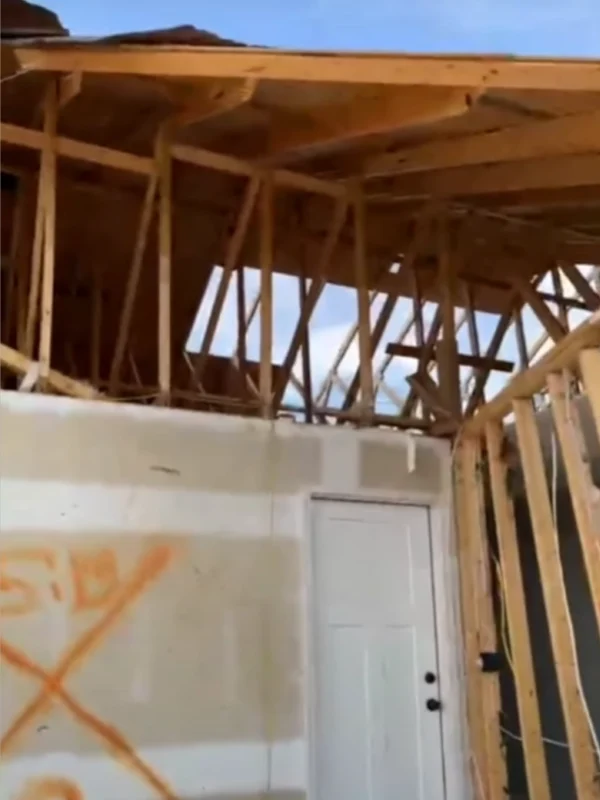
column 545, row 537
column 20, row 364
column 516, row 613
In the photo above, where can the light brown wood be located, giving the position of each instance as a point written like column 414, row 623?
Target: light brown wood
column 232, row 255
column 367, row 397
column 566, row 172
column 368, row 68
column 306, row 366
column 96, row 330
column 447, row 351
column 582, row 286
column 563, row 317
column 464, row 359
column 301, row 135
column 314, row 293
column 20, row 364
column 427, row 355
column 36, row 259
column 472, row 322
column 116, row 159
column 165, row 247
column 427, row 390
column 266, row 297
column 137, row 260
column 579, row 480
column 494, row 346
column 516, row 615
column 69, row 87
column 520, row 337
column 528, row 383
column 575, row 133
column 553, row 326
column 237, row 166
column 49, row 209
column 484, row 614
column 71, row 148
column 422, row 228
column 464, row 498
column 555, row 598
column 241, row 326
column 589, row 362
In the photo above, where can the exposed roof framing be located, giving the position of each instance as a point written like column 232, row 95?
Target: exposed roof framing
column 169, row 163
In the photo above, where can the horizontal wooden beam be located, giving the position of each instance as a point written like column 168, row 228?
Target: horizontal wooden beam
column 560, row 172
column 107, row 157
column 299, row 135
column 20, row 364
column 464, row 359
column 528, row 383
column 573, row 134
column 489, row 72
column 71, row 148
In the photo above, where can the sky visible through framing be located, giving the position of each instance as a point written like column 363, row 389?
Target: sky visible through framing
column 519, row 27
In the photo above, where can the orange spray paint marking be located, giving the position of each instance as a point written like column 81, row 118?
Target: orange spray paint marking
column 18, row 595
column 148, row 570
column 95, row 578
column 112, row 738
column 50, row 789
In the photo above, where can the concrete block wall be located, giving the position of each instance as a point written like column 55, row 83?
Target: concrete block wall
column 153, row 593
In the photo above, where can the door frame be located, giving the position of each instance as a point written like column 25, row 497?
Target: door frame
column 446, row 604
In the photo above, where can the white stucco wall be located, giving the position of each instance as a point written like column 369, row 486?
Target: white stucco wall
column 153, row 594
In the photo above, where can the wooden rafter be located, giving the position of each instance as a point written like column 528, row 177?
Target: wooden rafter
column 554, row 327
column 20, row 364
column 300, row 136
column 266, row 297
column 165, row 247
column 306, row 370
column 367, row 68
column 582, row 286
column 447, row 350
column 367, row 396
column 230, row 262
column 477, row 393
column 389, row 304
column 121, row 160
column 565, row 172
column 148, row 205
column 464, row 359
column 426, row 356
column 520, row 337
column 582, row 339
column 316, row 288
column 48, row 186
column 573, row 134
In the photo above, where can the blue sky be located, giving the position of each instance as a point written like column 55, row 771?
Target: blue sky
column 523, row 27
column 542, row 27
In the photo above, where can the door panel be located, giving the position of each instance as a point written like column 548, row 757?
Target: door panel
column 375, row 640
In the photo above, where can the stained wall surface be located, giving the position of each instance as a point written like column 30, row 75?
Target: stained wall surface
column 153, row 593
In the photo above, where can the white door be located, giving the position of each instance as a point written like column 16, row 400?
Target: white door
column 375, row 643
